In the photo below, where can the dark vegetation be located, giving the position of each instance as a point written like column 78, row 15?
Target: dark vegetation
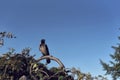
column 14, row 65
column 113, row 68
column 23, row 66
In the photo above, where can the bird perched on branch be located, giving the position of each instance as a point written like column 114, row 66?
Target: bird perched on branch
column 44, row 50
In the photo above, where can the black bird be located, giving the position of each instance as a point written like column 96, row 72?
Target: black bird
column 44, row 50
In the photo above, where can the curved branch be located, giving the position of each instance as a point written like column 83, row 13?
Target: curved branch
column 38, row 70
column 56, row 74
column 44, row 72
column 52, row 58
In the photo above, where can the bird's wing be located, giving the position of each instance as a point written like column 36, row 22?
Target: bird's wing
column 47, row 50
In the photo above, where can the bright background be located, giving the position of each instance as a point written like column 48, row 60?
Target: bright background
column 78, row 32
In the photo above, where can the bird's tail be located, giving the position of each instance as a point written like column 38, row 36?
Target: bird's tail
column 48, row 61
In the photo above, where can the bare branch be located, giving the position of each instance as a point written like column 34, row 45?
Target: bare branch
column 52, row 58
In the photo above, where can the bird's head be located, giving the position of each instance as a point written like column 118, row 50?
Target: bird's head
column 42, row 40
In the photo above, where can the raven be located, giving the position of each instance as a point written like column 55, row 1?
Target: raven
column 44, row 50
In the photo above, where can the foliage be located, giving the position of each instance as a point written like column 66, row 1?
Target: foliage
column 113, row 68
column 14, row 65
column 5, row 35
column 23, row 66
column 85, row 76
